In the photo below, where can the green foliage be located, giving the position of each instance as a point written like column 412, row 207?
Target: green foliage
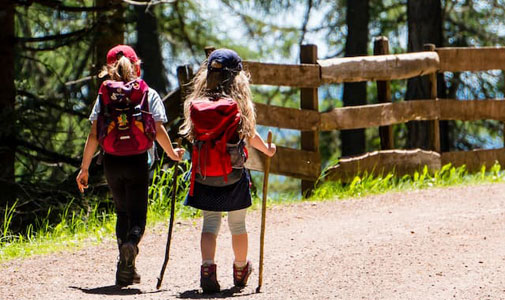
column 161, row 193
column 367, row 184
column 74, row 230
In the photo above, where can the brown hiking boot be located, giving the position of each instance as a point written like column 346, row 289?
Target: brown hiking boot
column 241, row 275
column 208, row 279
column 126, row 273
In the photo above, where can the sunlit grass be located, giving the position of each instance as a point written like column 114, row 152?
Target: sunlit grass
column 368, row 184
column 91, row 226
column 73, row 231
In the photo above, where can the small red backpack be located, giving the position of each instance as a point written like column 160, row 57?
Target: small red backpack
column 217, row 149
column 125, row 125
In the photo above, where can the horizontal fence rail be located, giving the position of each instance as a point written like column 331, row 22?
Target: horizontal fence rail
column 474, row 159
column 378, row 67
column 284, row 117
column 300, row 75
column 471, row 59
column 375, row 115
column 289, row 162
column 382, row 162
column 403, row 162
column 472, row 110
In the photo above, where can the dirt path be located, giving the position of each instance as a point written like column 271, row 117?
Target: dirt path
column 430, row 244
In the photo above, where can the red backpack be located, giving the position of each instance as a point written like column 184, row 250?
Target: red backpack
column 215, row 157
column 125, row 125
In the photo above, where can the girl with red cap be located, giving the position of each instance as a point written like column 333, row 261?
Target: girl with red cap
column 126, row 118
column 221, row 105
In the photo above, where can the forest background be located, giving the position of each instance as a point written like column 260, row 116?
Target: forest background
column 51, row 51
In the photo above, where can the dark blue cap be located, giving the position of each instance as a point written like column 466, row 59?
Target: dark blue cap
column 228, row 60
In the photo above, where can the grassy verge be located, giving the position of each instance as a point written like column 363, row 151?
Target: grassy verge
column 77, row 229
column 368, row 184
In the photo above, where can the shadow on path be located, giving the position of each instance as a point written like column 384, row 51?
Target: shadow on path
column 109, row 290
column 227, row 293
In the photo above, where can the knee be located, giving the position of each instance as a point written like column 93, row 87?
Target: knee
column 237, row 228
column 236, row 223
column 211, row 222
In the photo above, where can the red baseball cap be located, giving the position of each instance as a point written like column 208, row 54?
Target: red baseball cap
column 115, row 53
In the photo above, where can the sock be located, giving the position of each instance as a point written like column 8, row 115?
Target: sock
column 208, row 262
column 240, row 264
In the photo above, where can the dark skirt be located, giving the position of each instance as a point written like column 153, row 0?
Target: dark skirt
column 226, row 198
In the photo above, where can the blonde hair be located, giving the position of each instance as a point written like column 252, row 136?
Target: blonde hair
column 122, row 70
column 239, row 91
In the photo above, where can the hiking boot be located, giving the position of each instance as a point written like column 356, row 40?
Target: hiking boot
column 208, row 279
column 241, row 274
column 126, row 273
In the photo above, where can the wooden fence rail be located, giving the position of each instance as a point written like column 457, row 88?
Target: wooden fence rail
column 403, row 162
column 347, row 69
column 382, row 162
column 471, row 59
column 289, row 162
column 384, row 114
column 302, row 75
column 378, row 67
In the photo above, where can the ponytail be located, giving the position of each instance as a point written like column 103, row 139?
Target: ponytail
column 122, row 70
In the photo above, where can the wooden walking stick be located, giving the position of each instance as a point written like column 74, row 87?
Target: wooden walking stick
column 264, row 212
column 172, row 214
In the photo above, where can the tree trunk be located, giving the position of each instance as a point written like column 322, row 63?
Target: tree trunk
column 353, row 141
column 7, row 100
column 425, row 26
column 149, row 50
column 109, row 33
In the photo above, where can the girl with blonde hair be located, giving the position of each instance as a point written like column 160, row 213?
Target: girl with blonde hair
column 220, row 111
column 126, row 118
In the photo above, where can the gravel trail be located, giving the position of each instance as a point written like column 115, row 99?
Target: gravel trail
column 446, row 243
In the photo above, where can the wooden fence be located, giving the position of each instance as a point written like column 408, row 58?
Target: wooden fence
column 305, row 163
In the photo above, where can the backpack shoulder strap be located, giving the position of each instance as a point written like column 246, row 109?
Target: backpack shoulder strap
column 103, row 92
column 144, row 103
column 144, row 88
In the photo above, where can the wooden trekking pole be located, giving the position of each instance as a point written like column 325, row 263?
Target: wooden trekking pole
column 264, row 212
column 172, row 215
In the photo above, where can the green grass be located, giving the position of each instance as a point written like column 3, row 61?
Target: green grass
column 73, row 231
column 78, row 229
column 368, row 184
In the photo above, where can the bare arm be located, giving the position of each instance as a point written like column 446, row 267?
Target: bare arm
column 164, row 140
column 89, row 150
column 257, row 142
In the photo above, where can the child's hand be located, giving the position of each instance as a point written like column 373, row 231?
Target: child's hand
column 271, row 150
column 82, row 180
column 179, row 152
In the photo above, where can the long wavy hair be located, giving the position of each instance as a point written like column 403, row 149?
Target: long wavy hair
column 239, row 91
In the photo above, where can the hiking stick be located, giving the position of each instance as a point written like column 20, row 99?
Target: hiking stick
column 171, row 226
column 264, row 212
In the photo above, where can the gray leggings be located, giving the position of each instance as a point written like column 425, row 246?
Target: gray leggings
column 236, row 221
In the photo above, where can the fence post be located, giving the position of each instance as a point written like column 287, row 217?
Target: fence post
column 380, row 47
column 184, row 76
column 435, row 127
column 503, row 123
column 208, row 50
column 309, row 100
